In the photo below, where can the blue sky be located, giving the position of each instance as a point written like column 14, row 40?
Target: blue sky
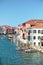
column 14, row 12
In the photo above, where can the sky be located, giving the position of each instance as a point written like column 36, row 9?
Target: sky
column 15, row 12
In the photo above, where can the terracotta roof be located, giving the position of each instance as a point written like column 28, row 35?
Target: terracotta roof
column 37, row 26
column 33, row 22
column 36, row 23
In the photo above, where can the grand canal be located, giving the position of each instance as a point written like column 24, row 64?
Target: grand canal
column 10, row 56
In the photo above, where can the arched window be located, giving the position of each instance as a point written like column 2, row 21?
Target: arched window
column 34, row 43
column 38, row 37
column 34, row 37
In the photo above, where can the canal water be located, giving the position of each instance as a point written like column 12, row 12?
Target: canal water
column 10, row 56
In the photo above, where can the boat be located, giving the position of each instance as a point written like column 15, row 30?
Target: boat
column 10, row 37
column 28, row 50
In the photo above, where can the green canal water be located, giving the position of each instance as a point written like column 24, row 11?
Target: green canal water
column 10, row 56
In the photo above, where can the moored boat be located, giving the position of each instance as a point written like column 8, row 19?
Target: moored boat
column 10, row 37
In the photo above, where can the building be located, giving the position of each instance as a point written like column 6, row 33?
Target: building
column 22, row 27
column 1, row 30
column 4, row 27
column 8, row 29
column 35, row 31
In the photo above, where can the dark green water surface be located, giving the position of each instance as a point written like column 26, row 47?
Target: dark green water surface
column 10, row 56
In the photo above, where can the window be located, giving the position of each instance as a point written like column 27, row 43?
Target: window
column 41, row 37
column 42, row 31
column 29, row 38
column 34, row 43
column 34, row 31
column 34, row 37
column 38, row 31
column 39, row 43
column 29, row 31
column 38, row 37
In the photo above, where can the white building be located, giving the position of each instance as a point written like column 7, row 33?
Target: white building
column 35, row 33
